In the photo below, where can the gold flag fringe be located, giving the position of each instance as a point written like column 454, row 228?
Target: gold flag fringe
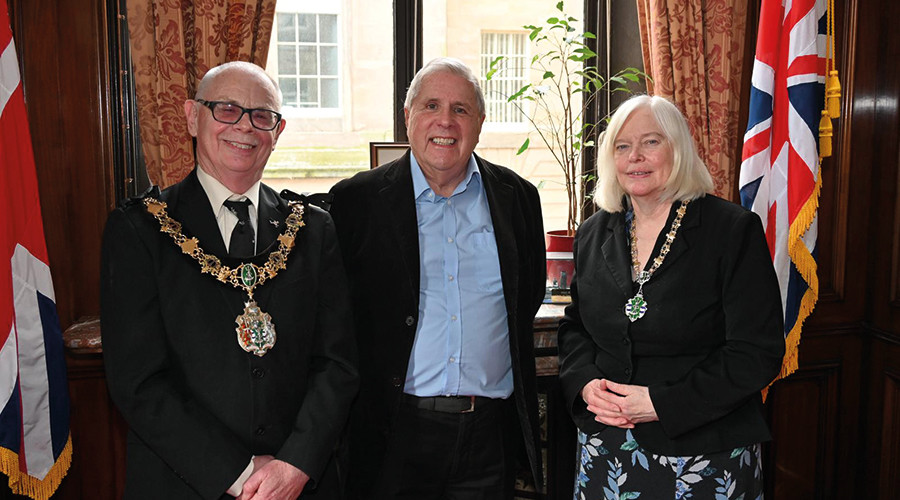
column 38, row 489
column 806, row 266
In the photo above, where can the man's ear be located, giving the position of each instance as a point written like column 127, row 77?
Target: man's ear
column 191, row 110
column 280, row 128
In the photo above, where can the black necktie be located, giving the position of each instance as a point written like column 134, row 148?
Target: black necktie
column 242, row 238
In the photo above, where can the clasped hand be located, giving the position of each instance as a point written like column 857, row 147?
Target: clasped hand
column 273, row 480
column 618, row 405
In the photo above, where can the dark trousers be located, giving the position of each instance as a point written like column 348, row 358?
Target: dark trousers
column 435, row 455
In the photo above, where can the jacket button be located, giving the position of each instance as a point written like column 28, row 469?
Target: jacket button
column 410, row 320
column 258, row 372
column 396, row 381
column 625, row 340
column 260, row 430
column 628, row 372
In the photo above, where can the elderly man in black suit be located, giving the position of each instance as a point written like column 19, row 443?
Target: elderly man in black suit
column 228, row 346
column 445, row 256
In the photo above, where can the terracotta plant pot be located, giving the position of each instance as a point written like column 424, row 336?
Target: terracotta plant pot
column 560, row 266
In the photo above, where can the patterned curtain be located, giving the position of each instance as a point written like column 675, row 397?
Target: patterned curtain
column 694, row 51
column 173, row 44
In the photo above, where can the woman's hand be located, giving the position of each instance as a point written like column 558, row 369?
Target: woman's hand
column 618, row 405
column 596, row 395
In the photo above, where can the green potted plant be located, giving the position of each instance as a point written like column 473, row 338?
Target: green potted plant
column 556, row 102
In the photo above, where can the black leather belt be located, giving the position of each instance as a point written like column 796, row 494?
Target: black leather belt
column 447, row 404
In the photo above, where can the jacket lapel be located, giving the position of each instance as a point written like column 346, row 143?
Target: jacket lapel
column 616, row 252
column 501, row 203
column 270, row 219
column 681, row 245
column 501, row 200
column 189, row 205
column 400, row 207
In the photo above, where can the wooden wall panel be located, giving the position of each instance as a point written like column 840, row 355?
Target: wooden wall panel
column 62, row 48
column 889, row 458
column 877, row 49
column 880, row 462
column 814, row 419
column 98, row 435
column 878, row 150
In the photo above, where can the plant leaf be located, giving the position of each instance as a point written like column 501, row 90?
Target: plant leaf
column 518, row 93
column 494, row 67
column 523, row 147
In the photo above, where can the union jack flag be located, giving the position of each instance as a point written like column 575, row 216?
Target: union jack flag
column 779, row 177
column 35, row 446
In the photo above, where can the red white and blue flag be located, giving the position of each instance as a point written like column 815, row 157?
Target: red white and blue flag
column 35, row 446
column 779, row 177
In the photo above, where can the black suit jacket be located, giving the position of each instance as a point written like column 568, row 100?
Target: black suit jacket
column 197, row 405
column 711, row 339
column 375, row 215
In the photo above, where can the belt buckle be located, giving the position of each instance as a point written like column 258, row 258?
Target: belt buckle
column 471, row 405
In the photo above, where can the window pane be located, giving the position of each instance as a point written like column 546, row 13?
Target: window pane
column 327, row 28
column 503, row 84
column 329, row 92
column 307, row 27
column 309, row 92
column 286, row 28
column 289, row 90
column 329, row 61
column 308, row 64
column 339, row 97
column 476, row 32
column 287, row 60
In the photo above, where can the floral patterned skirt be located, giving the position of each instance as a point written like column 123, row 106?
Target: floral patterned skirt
column 612, row 465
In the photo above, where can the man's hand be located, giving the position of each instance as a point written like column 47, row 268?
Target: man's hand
column 275, row 480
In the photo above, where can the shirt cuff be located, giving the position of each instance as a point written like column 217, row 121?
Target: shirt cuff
column 238, row 485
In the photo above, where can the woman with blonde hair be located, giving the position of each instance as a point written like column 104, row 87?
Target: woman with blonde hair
column 675, row 323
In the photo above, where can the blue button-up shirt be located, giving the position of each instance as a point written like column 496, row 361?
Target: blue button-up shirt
column 462, row 339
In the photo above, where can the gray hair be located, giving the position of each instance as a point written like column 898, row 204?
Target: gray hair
column 689, row 179
column 445, row 65
column 244, row 66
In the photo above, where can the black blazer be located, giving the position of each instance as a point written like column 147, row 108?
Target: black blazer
column 375, row 215
column 197, row 405
column 711, row 339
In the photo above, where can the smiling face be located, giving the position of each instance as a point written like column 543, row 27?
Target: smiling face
column 643, row 156
column 234, row 154
column 443, row 123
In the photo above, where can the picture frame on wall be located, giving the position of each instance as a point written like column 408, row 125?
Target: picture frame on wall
column 385, row 152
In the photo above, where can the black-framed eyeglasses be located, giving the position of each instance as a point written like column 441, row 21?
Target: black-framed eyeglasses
column 226, row 112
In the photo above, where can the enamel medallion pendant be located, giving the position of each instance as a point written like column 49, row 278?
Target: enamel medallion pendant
column 636, row 307
column 255, row 330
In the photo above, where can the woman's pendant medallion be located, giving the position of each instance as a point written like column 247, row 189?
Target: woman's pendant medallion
column 636, row 307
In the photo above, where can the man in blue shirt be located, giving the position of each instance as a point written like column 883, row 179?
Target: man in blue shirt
column 445, row 257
